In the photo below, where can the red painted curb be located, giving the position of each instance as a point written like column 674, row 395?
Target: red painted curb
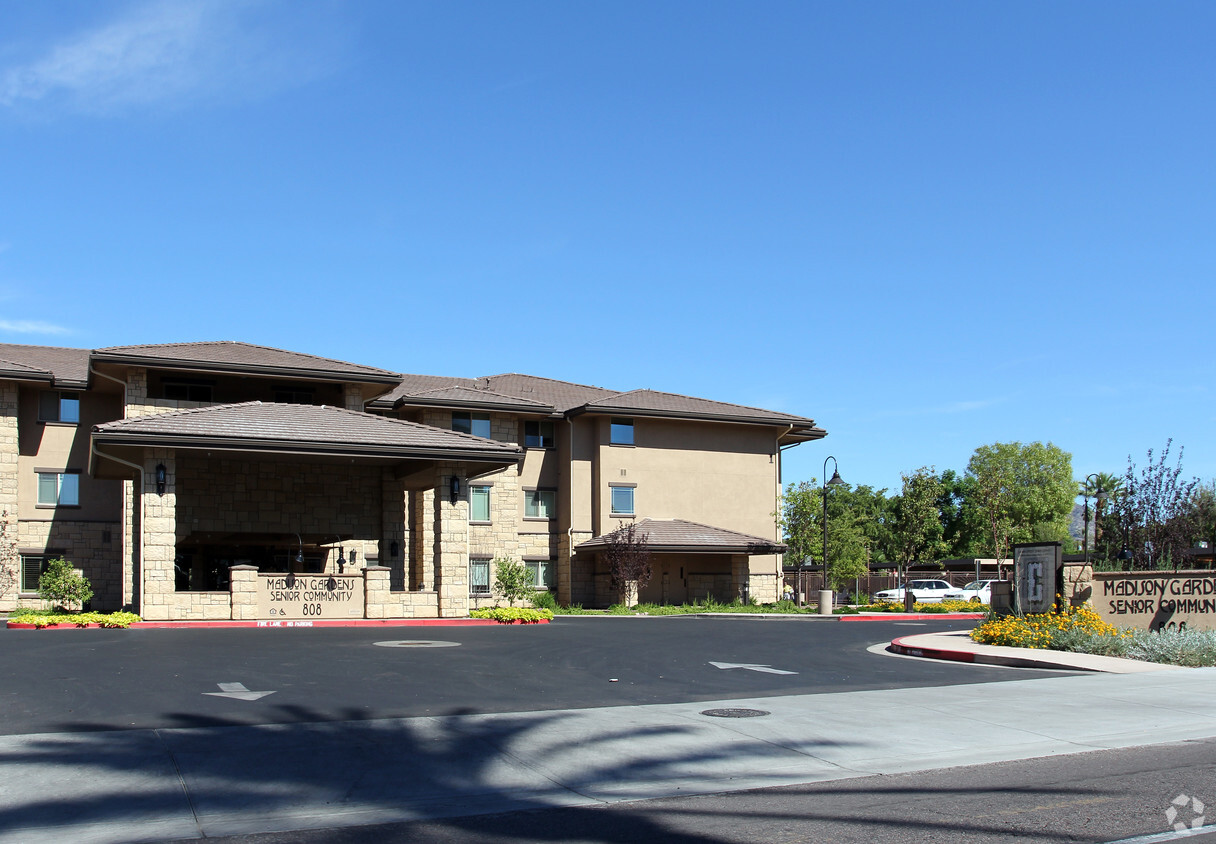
column 916, row 616
column 899, row 647
column 361, row 622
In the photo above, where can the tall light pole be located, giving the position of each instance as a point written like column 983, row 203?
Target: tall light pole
column 825, row 594
column 1101, row 496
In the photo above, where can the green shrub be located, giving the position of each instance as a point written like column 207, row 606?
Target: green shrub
column 510, row 615
column 512, row 579
column 544, row 600
column 40, row 618
column 63, row 587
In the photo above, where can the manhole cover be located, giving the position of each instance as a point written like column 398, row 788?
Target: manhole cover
column 735, row 713
column 416, row 643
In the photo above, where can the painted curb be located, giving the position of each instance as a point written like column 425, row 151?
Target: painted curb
column 361, row 622
column 900, row 646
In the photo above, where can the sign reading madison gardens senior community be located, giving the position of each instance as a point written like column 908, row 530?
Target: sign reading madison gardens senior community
column 308, row 596
column 1173, row 600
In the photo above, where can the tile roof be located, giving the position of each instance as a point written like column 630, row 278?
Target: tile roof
column 461, row 396
column 671, row 535
column 232, row 356
column 672, row 404
column 312, row 428
column 67, row 367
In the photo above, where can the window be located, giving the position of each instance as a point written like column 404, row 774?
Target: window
column 32, row 567
column 58, row 407
column 58, row 489
column 540, row 503
column 187, row 391
column 477, row 424
column 622, row 432
column 543, row 572
column 479, row 504
column 479, row 576
column 538, row 434
column 292, row 395
column 622, row 501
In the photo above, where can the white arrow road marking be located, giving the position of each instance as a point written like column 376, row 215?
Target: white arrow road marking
column 238, row 691
column 763, row 668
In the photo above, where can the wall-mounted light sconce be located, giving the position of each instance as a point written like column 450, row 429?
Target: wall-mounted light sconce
column 300, row 553
column 341, row 559
column 455, row 489
column 162, row 477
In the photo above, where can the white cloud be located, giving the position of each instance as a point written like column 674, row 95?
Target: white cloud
column 25, row 326
column 168, row 52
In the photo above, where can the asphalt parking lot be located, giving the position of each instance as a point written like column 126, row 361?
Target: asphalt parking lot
column 81, row 680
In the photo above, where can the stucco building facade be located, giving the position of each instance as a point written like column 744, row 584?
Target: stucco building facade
column 187, row 479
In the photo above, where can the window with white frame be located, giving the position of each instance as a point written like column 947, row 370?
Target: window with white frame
column 477, row 424
column 540, row 503
column 538, row 434
column 54, row 406
column 479, row 576
column 59, row 489
column 622, row 501
column 543, row 573
column 621, row 431
column 479, row 503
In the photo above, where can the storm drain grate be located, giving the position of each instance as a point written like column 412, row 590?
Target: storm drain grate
column 416, row 643
column 735, row 713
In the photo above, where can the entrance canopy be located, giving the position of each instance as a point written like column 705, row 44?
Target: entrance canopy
column 316, row 432
column 673, row 536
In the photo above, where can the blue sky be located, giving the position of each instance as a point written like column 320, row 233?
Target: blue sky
column 927, row 225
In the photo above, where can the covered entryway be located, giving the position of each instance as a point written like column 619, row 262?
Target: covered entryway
column 283, row 488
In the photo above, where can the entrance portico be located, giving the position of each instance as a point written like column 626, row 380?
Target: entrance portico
column 291, row 490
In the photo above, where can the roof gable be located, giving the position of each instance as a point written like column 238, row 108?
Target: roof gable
column 246, row 358
column 62, row 366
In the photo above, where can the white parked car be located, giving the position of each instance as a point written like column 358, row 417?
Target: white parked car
column 924, row 591
column 977, row 592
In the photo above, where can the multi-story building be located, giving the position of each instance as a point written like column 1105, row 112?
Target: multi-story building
column 181, row 478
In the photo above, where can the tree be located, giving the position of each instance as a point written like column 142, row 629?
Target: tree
column 1203, row 513
column 512, row 579
column 63, row 587
column 918, row 519
column 1021, row 493
column 954, row 504
column 1156, row 511
column 851, row 512
column 628, row 560
column 1105, row 482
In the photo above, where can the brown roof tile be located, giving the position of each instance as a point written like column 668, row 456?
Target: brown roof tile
column 672, row 404
column 671, row 535
column 67, row 367
column 231, row 356
column 312, row 428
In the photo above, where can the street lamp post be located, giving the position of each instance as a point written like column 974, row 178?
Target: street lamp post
column 1101, row 496
column 825, row 594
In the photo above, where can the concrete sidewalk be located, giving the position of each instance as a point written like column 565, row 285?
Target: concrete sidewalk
column 145, row 785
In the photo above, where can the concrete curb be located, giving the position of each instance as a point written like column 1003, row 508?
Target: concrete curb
column 958, row 647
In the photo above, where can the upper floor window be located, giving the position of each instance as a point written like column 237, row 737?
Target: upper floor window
column 291, row 395
column 479, row 503
column 187, row 391
column 540, row 503
column 477, row 424
column 54, row 406
column 58, row 489
column 538, row 434
column 622, row 431
column 622, row 501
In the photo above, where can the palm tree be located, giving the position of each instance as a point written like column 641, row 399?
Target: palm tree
column 1105, row 482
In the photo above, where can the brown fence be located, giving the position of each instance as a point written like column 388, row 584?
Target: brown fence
column 809, row 583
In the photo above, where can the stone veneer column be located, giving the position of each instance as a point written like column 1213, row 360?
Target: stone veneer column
column 243, row 585
column 451, row 548
column 9, row 450
column 739, row 565
column 160, row 535
column 377, row 592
